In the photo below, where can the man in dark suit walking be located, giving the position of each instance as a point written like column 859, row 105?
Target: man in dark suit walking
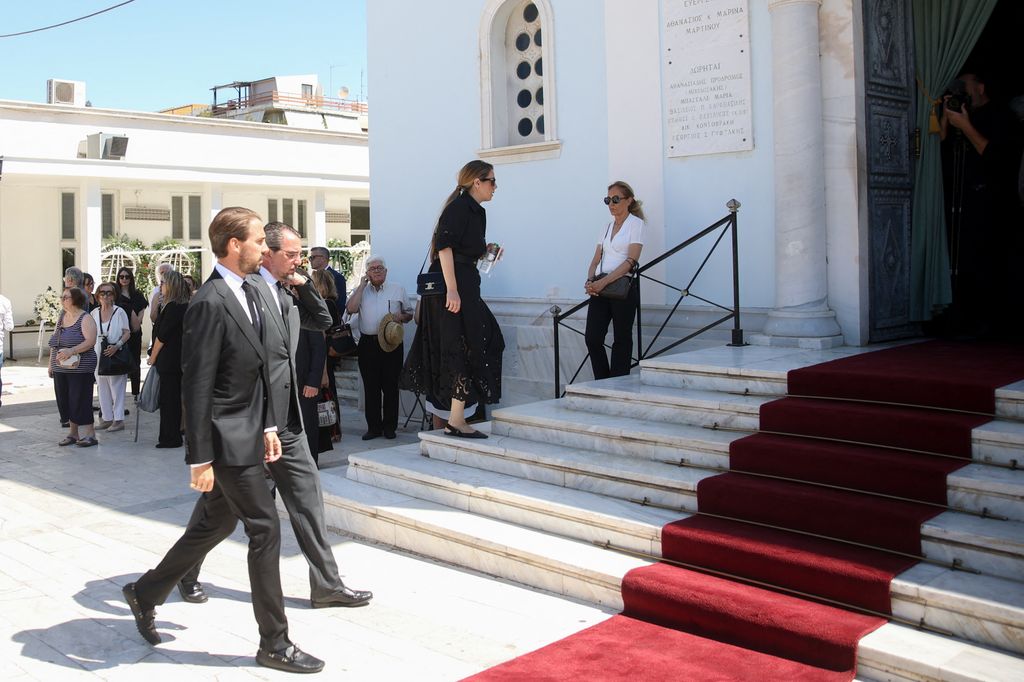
column 292, row 301
column 230, row 432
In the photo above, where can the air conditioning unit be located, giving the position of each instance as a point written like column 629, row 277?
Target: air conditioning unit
column 106, row 146
column 65, row 92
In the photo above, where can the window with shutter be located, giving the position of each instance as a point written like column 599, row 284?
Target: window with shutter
column 107, row 214
column 67, row 215
column 177, row 217
column 195, row 217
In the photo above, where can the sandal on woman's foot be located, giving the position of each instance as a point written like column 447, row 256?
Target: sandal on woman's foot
column 88, row 442
column 452, row 431
column 68, row 440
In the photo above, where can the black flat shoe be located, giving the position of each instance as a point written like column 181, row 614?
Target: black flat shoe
column 168, row 445
column 370, row 435
column 290, row 660
column 390, row 435
column 343, row 597
column 193, row 593
column 144, row 618
column 452, row 431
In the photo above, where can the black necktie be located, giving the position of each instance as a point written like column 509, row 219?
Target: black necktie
column 284, row 297
column 254, row 316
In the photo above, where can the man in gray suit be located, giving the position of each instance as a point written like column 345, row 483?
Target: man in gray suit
column 230, row 433
column 292, row 301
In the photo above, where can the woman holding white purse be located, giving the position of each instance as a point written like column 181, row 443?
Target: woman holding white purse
column 72, row 366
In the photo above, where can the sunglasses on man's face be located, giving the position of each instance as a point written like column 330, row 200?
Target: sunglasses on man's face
column 616, row 199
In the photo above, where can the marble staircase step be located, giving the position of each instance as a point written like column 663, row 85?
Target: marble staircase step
column 628, row 396
column 957, row 602
column 978, row 608
column 897, row 653
column 1000, row 441
column 566, row 512
column 531, row 557
column 996, row 548
column 980, row 487
column 1010, row 401
column 618, row 476
column 553, row 421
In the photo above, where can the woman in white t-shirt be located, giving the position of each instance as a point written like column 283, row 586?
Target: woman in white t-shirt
column 112, row 325
column 618, row 251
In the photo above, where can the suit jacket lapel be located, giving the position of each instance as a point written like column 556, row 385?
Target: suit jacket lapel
column 236, row 313
column 272, row 301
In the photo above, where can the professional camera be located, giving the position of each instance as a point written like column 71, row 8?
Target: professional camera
column 958, row 98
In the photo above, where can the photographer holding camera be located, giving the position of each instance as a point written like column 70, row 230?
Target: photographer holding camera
column 979, row 181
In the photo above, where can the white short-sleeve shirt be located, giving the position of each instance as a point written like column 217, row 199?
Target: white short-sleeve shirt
column 376, row 304
column 616, row 249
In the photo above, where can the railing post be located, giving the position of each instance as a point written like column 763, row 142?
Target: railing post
column 555, row 310
column 737, row 330
column 639, row 323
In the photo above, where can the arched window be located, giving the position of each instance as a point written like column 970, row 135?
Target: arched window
column 517, row 81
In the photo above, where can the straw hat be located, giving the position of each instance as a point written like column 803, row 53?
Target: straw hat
column 390, row 333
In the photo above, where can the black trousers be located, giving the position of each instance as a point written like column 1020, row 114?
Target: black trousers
column 239, row 493
column 170, row 409
column 298, row 483
column 380, row 372
column 620, row 314
column 134, row 368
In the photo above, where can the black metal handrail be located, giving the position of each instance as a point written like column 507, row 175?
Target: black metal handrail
column 726, row 224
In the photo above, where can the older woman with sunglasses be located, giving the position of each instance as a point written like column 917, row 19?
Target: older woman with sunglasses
column 72, row 363
column 617, row 253
column 115, row 329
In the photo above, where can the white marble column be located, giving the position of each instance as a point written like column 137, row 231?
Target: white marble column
column 801, row 315
column 319, row 235
column 90, row 236
column 213, row 197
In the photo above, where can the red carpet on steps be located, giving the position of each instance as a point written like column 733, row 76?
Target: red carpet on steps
column 623, row 648
column 715, row 628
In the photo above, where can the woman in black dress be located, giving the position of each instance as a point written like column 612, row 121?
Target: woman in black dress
column 456, row 354
column 133, row 302
column 166, row 356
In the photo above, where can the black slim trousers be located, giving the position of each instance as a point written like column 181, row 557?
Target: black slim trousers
column 620, row 314
column 380, row 372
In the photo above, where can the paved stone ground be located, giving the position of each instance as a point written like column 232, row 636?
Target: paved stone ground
column 76, row 524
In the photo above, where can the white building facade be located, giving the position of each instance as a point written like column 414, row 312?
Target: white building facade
column 158, row 176
column 447, row 88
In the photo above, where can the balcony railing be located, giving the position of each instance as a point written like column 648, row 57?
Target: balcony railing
column 291, row 100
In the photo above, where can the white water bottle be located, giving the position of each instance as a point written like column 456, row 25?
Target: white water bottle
column 489, row 258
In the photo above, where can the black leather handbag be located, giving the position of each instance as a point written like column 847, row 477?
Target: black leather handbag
column 617, row 290
column 430, row 283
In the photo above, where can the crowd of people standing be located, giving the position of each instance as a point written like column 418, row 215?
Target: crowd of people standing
column 249, row 355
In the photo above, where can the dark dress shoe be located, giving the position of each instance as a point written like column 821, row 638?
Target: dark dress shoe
column 346, row 596
column 193, row 593
column 452, row 431
column 290, row 660
column 144, row 618
column 168, row 445
column 390, row 435
column 370, row 435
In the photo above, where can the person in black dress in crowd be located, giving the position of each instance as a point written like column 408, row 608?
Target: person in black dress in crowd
column 133, row 302
column 166, row 356
column 456, row 354
column 311, row 373
column 325, row 284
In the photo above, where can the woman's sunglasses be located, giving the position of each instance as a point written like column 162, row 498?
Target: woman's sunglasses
column 614, row 200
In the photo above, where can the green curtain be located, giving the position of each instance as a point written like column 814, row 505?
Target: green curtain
column 945, row 32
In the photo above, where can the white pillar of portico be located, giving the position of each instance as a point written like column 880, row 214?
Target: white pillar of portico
column 214, row 199
column 319, row 236
column 801, row 315
column 90, row 236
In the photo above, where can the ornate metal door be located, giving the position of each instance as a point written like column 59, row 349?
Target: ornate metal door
column 889, row 97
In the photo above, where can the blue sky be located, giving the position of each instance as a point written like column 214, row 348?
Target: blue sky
column 156, row 54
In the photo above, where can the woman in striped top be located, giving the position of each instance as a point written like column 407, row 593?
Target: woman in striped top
column 73, row 380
